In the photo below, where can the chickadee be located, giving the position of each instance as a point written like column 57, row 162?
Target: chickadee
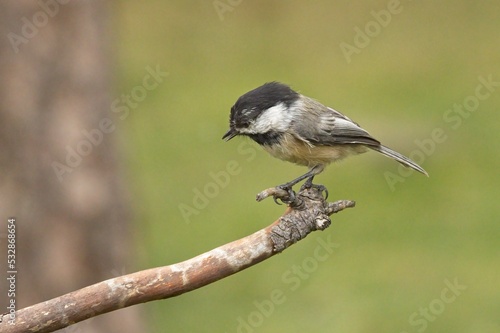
column 298, row 129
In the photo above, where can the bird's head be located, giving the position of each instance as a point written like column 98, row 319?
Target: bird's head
column 262, row 110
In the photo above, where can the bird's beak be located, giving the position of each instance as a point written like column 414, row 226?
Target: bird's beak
column 230, row 134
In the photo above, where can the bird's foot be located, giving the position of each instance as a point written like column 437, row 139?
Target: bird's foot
column 308, row 184
column 284, row 193
column 288, row 198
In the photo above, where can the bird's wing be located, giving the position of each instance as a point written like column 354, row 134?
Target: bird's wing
column 322, row 125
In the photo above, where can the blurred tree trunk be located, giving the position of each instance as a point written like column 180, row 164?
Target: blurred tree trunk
column 60, row 176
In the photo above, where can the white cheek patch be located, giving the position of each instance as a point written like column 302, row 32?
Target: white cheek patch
column 277, row 118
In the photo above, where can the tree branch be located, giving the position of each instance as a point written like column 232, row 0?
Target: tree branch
column 306, row 213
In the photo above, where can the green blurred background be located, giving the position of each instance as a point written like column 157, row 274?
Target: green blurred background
column 398, row 247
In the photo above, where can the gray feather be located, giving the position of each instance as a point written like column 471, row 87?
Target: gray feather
column 321, row 125
column 398, row 157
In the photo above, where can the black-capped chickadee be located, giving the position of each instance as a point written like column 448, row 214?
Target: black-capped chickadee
column 298, row 129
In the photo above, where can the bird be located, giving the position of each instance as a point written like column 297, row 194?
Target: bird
column 298, row 129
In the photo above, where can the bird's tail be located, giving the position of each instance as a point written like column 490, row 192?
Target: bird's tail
column 398, row 157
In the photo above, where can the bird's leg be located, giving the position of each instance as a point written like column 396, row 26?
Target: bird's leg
column 283, row 192
column 291, row 183
column 288, row 186
column 309, row 184
column 279, row 191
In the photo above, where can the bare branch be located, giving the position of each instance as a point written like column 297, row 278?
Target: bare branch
column 308, row 212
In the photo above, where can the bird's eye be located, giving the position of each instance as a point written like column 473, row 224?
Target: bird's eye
column 243, row 123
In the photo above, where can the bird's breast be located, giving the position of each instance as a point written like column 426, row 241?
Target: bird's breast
column 289, row 148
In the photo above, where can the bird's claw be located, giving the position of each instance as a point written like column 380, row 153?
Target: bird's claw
column 286, row 199
column 284, row 193
column 318, row 187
